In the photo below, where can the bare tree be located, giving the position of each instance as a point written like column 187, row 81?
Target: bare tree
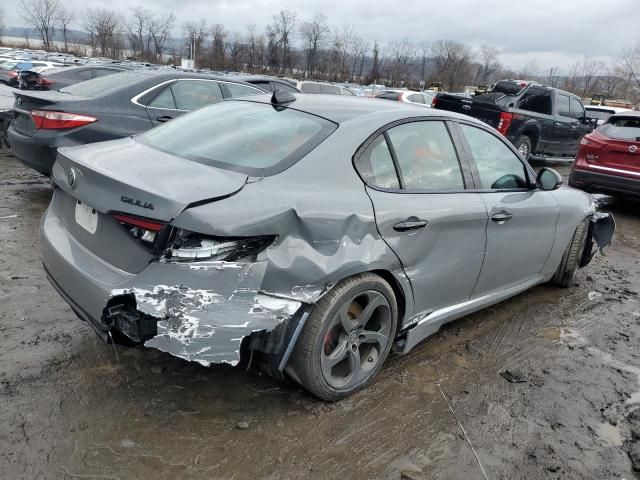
column 218, row 46
column 489, row 64
column 104, row 29
column 255, row 49
column 403, row 55
column 452, row 62
column 345, row 41
column 591, row 71
column 196, row 34
column 376, row 64
column 281, row 33
column 314, row 36
column 1, row 21
column 358, row 51
column 236, row 50
column 41, row 15
column 630, row 65
column 64, row 18
column 138, row 32
column 159, row 28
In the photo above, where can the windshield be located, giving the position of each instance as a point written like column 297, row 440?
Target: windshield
column 622, row 128
column 248, row 137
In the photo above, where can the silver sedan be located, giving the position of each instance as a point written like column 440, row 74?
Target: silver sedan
column 310, row 235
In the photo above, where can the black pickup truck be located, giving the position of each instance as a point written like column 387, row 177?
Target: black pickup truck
column 537, row 119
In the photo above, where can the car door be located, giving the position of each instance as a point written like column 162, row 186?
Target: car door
column 563, row 133
column 522, row 219
column 424, row 212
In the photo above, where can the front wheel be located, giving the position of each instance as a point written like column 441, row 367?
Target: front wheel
column 347, row 337
column 566, row 273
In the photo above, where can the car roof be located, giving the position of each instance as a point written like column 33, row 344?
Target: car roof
column 265, row 78
column 342, row 108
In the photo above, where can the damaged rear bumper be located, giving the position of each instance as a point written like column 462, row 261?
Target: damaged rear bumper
column 196, row 311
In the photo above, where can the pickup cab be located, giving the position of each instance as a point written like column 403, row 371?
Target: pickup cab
column 537, row 119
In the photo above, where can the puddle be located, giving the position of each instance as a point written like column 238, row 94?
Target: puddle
column 610, row 433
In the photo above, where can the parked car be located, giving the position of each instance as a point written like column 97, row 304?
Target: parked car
column 40, row 66
column 65, row 76
column 380, row 226
column 602, row 113
column 373, row 89
column 17, row 74
column 267, row 83
column 109, row 107
column 609, row 158
column 407, row 96
column 307, row 86
column 537, row 119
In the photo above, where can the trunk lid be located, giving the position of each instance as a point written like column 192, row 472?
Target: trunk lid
column 130, row 177
column 622, row 156
column 25, row 101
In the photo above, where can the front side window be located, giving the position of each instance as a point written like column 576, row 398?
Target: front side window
column 577, row 110
column 192, row 94
column 426, row 156
column 498, row 166
column 249, row 137
column 375, row 165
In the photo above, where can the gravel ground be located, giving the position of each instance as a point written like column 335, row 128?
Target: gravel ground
column 70, row 409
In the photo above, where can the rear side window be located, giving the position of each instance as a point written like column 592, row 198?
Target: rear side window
column 622, row 128
column 498, row 166
column 330, row 89
column 266, row 86
column 283, row 87
column 237, row 90
column 426, row 157
column 563, row 105
column 310, row 87
column 375, row 165
column 536, row 100
column 416, row 98
column 249, row 137
column 164, row 100
column 389, row 95
column 192, row 94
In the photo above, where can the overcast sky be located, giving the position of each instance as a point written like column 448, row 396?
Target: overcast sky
column 554, row 33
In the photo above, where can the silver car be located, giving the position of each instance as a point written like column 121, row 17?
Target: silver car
column 311, row 234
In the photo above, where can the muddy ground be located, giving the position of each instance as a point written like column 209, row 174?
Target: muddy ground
column 70, row 409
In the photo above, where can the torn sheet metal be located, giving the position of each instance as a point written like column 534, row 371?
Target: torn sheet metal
column 205, row 317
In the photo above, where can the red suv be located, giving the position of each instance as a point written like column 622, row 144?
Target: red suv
column 608, row 159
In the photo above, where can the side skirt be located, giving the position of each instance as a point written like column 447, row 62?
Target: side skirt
column 431, row 323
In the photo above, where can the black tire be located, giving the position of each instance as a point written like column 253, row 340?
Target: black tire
column 524, row 146
column 315, row 350
column 566, row 273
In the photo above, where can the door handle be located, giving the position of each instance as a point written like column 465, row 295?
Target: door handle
column 164, row 118
column 410, row 224
column 558, row 124
column 501, row 217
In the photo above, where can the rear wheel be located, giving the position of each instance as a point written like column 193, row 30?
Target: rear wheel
column 566, row 273
column 347, row 337
column 523, row 144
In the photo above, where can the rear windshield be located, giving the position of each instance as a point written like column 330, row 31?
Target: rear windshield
column 599, row 114
column 104, row 85
column 248, row 137
column 508, row 87
column 622, row 128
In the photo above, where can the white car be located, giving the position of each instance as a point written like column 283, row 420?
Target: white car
column 602, row 113
column 408, row 96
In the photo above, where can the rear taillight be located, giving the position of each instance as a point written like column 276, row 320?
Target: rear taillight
column 50, row 120
column 505, row 122
column 189, row 247
column 589, row 150
column 13, row 74
column 141, row 229
column 44, row 81
column 434, row 102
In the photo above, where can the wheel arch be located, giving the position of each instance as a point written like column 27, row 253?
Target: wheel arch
column 399, row 292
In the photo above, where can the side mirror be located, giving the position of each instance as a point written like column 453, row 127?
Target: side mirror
column 548, row 179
